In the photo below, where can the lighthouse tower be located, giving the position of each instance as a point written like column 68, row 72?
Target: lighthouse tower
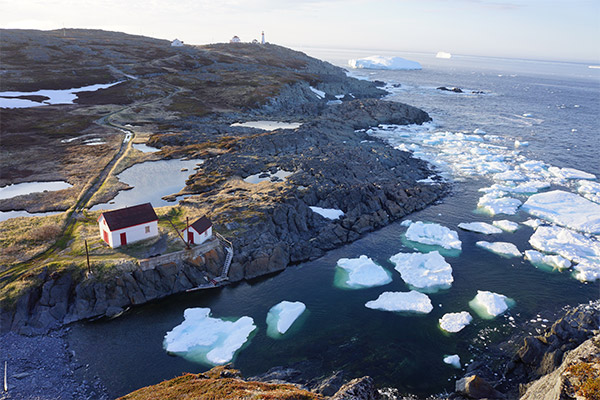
column 262, row 41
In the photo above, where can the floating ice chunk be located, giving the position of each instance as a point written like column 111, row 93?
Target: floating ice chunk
column 566, row 209
column 433, row 234
column 281, row 316
column 479, row 131
column 453, row 360
column 202, row 338
column 319, row 93
column 501, row 248
column 412, row 301
column 494, row 205
column 362, row 272
column 381, row 62
column 506, row 225
column 555, row 261
column 521, row 144
column 479, row 227
column 455, row 322
column 329, row 213
column 590, row 190
column 510, row 175
column 533, row 223
column 570, row 173
column 489, row 304
column 421, row 271
column 443, row 54
column 571, row 245
column 406, row 222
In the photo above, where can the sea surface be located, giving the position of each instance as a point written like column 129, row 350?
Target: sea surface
column 552, row 106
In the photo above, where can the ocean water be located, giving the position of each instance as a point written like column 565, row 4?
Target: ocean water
column 553, row 106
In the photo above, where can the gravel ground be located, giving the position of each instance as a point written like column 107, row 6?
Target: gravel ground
column 43, row 368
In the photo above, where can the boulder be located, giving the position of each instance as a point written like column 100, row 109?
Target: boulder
column 475, row 387
column 358, row 389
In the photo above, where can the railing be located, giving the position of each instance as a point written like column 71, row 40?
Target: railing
column 228, row 258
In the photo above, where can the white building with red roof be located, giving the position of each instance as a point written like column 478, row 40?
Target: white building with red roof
column 128, row 225
column 198, row 232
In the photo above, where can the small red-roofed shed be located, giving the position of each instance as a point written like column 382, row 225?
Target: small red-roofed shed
column 198, row 232
column 128, row 225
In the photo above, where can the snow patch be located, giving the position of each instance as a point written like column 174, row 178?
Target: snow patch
column 319, row 93
column 412, row 301
column 329, row 213
column 494, row 205
column 205, row 339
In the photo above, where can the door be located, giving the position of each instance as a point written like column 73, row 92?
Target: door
column 123, row 239
column 105, row 235
column 190, row 237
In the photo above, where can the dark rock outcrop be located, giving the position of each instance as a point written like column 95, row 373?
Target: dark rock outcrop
column 475, row 387
column 358, row 389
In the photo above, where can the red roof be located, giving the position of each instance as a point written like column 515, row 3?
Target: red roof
column 201, row 225
column 129, row 216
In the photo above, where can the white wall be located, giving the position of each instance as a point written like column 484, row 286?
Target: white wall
column 198, row 239
column 133, row 233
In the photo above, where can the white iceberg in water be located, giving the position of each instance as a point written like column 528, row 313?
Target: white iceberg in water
column 453, row 360
column 489, row 304
column 201, row 338
column 590, row 190
column 506, row 225
column 443, row 54
column 479, row 227
column 361, row 272
column 510, row 175
column 455, row 322
column 281, row 316
column 501, row 248
column 329, row 213
column 570, row 173
column 494, row 205
column 421, row 271
column 412, row 301
column 433, row 234
column 571, row 245
column 540, row 259
column 381, row 62
column 566, row 209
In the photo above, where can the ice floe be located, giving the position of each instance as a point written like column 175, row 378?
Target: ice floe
column 506, row 225
column 453, row 360
column 573, row 246
column 282, row 315
column 423, row 271
column 566, row 209
column 479, row 227
column 381, row 62
column 589, row 190
column 443, row 54
column 406, row 222
column 501, row 248
column 361, row 273
column 570, row 173
column 510, row 175
column 489, row 304
column 533, row 223
column 433, row 234
column 412, row 301
column 202, row 338
column 329, row 213
column 493, row 205
column 455, row 322
column 540, row 259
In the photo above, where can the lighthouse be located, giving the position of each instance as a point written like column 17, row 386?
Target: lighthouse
column 262, row 41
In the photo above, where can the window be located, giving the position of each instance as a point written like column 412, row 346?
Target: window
column 147, row 229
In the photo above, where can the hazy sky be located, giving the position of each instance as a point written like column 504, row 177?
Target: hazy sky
column 536, row 29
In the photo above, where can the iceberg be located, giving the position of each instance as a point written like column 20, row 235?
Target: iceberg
column 573, row 246
column 412, row 301
column 201, row 338
column 453, row 360
column 566, row 209
column 455, row 322
column 504, row 249
column 570, row 173
column 433, row 234
column 533, row 223
column 509, row 175
column 489, row 304
column 381, row 62
column 281, row 316
column 590, row 190
column 361, row 273
column 479, row 227
column 553, row 261
column 329, row 213
column 421, row 271
column 506, row 225
column 443, row 54
column 494, row 205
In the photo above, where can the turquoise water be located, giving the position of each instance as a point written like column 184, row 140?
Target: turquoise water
column 338, row 332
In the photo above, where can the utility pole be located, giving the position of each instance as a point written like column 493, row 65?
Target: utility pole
column 87, row 256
